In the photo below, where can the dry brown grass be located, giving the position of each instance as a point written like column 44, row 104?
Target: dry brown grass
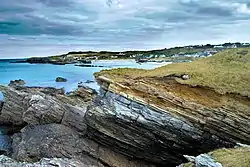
column 225, row 72
column 239, row 157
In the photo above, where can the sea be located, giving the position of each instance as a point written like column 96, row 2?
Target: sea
column 44, row 75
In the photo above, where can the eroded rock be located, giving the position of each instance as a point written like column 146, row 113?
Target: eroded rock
column 138, row 130
column 18, row 82
column 56, row 140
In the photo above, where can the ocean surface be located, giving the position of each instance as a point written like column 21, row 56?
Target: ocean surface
column 45, row 74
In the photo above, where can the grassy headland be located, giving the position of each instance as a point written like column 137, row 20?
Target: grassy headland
column 175, row 54
column 225, row 72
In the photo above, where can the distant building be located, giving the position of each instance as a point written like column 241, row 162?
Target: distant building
column 114, row 57
column 232, row 46
column 219, row 46
column 246, row 44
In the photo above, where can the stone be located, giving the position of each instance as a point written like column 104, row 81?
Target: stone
column 85, row 93
column 205, row 160
column 89, row 81
column 18, row 82
column 185, row 77
column 34, row 105
column 43, row 109
column 61, row 79
column 14, row 106
column 242, row 145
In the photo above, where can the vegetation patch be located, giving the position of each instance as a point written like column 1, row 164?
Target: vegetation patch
column 225, row 72
column 239, row 157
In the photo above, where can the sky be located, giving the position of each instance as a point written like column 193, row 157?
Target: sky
column 47, row 27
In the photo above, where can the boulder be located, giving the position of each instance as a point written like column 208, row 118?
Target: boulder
column 205, row 160
column 43, row 109
column 85, row 93
column 61, row 79
column 34, row 105
column 18, row 82
column 15, row 104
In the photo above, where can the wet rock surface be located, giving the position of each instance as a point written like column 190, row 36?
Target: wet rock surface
column 61, row 79
column 18, row 82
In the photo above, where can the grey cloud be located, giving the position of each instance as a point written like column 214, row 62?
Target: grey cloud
column 120, row 24
column 214, row 11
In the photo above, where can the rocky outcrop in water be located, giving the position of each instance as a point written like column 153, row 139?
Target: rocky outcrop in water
column 61, row 79
column 18, row 82
column 55, row 126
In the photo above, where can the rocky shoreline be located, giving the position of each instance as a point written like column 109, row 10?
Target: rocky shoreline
column 114, row 128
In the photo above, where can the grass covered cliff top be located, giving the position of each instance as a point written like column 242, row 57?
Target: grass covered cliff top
column 225, row 72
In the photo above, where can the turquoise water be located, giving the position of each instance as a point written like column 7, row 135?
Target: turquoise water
column 45, row 74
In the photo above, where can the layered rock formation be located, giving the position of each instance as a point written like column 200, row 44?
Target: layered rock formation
column 129, row 124
column 154, row 124
column 55, row 127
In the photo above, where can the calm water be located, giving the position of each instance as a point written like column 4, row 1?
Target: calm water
column 45, row 74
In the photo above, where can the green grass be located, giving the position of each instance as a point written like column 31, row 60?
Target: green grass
column 239, row 157
column 235, row 157
column 227, row 71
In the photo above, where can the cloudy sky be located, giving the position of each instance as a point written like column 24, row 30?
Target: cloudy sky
column 48, row 27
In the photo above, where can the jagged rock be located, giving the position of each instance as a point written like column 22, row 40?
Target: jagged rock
column 61, row 79
column 45, row 162
column 13, row 107
column 56, row 140
column 18, row 82
column 46, row 90
column 205, row 160
column 66, row 138
column 242, row 145
column 189, row 158
column 74, row 117
column 43, row 109
column 84, row 92
column 35, row 105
